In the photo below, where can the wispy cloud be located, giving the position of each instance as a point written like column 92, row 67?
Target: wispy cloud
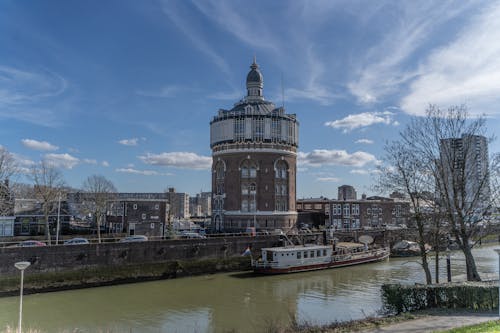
column 142, row 172
column 24, row 95
column 387, row 66
column 328, row 179
column 38, row 145
column 24, row 163
column 65, row 161
column 365, row 141
column 178, row 160
column 321, row 157
column 230, row 96
column 365, row 119
column 364, row 171
column 105, row 164
column 129, row 142
column 89, row 161
column 168, row 91
column 466, row 70
column 177, row 15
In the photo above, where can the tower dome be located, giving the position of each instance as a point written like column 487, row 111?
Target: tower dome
column 255, row 82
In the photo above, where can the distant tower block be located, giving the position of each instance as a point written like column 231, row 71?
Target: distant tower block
column 346, row 192
column 254, row 155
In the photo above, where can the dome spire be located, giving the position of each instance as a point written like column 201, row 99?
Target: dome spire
column 255, row 82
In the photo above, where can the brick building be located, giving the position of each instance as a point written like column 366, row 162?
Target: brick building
column 374, row 212
column 254, row 152
column 137, row 217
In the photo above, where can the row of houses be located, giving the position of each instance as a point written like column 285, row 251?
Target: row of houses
column 151, row 214
column 348, row 212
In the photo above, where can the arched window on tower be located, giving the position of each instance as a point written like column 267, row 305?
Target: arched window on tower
column 281, row 185
column 248, row 186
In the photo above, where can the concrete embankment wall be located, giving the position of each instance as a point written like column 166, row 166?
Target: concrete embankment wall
column 63, row 267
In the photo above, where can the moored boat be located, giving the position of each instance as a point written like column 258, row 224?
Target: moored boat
column 301, row 258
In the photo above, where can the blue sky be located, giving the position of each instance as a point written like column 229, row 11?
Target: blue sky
column 126, row 89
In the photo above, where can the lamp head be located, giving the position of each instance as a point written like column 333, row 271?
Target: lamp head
column 22, row 265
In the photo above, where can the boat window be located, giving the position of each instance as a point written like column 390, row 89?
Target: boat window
column 305, row 254
column 324, row 252
column 282, row 254
column 299, row 255
column 318, row 253
column 312, row 254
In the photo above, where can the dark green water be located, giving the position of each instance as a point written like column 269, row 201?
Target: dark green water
column 218, row 303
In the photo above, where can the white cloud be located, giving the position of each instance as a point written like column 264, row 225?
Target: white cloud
column 129, row 142
column 466, row 70
column 89, row 161
column 328, row 179
column 139, row 172
column 65, row 161
column 178, row 160
column 364, row 171
column 365, row 119
column 320, row 157
column 38, row 145
column 24, row 163
column 388, row 65
column 365, row 141
column 105, row 164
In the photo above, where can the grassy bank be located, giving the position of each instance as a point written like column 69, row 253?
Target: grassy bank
column 488, row 327
column 110, row 275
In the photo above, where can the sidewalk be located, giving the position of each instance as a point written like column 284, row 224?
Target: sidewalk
column 438, row 322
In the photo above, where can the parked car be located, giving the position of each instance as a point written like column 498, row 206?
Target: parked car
column 192, row 235
column 76, row 241
column 31, row 243
column 135, row 238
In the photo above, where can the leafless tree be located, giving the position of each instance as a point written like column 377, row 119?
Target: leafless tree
column 8, row 168
column 48, row 186
column 97, row 192
column 402, row 171
column 445, row 145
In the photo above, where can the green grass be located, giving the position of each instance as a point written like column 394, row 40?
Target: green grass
column 486, row 327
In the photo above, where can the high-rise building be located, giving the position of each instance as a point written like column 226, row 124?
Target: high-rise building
column 254, row 153
column 346, row 192
column 465, row 171
column 178, row 204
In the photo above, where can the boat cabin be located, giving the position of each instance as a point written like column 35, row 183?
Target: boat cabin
column 289, row 256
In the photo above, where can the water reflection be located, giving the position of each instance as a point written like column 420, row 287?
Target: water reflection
column 218, row 303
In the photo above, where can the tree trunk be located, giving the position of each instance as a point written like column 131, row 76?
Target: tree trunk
column 423, row 254
column 470, row 262
column 47, row 228
column 98, row 228
column 436, row 265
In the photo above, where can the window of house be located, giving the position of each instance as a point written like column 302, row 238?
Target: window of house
column 305, row 254
column 143, row 216
column 312, row 254
column 299, row 255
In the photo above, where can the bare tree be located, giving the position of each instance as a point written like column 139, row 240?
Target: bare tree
column 8, row 168
column 48, row 186
column 98, row 191
column 403, row 172
column 451, row 148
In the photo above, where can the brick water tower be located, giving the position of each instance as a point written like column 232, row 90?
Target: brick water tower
column 254, row 163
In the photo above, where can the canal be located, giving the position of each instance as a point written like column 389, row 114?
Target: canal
column 239, row 302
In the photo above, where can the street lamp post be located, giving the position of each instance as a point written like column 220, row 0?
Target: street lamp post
column 21, row 265
column 498, row 252
column 58, row 219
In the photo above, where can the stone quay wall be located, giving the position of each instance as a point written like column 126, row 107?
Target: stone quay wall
column 51, row 259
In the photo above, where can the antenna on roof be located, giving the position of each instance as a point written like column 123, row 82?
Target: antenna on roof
column 282, row 91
